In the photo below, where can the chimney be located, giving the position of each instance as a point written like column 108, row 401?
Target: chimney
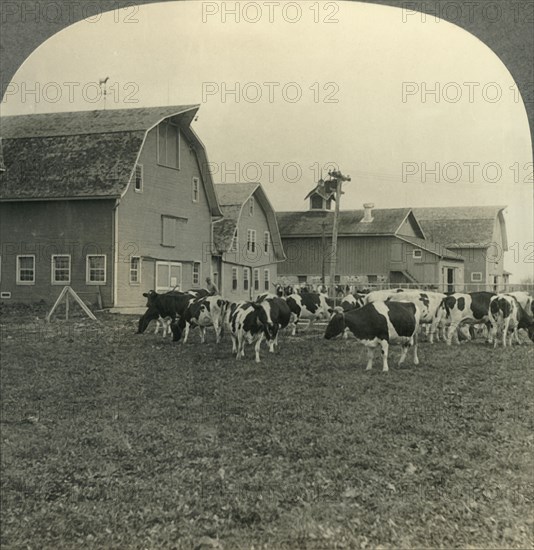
column 368, row 212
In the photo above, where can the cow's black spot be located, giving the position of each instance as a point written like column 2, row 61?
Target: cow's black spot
column 461, row 303
column 424, row 298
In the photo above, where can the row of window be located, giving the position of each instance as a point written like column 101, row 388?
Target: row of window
column 255, row 279
column 251, row 241
column 95, row 270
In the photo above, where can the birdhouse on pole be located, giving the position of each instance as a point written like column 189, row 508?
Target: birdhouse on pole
column 322, row 195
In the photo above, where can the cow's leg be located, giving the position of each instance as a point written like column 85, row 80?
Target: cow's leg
column 405, row 347
column 453, row 327
column 218, row 329
column 234, row 344
column 370, row 357
column 159, row 324
column 202, row 334
column 415, row 350
column 310, row 323
column 186, row 331
column 294, row 326
column 505, row 331
column 384, row 345
column 257, row 347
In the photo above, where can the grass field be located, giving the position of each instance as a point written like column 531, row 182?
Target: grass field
column 115, row 440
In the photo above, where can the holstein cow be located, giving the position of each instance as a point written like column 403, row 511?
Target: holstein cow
column 248, row 323
column 473, row 308
column 352, row 301
column 310, row 306
column 278, row 316
column 171, row 305
column 203, row 312
column 379, row 324
column 429, row 304
column 281, row 290
column 504, row 313
column 512, row 312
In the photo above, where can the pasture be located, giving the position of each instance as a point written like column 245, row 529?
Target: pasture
column 117, row 440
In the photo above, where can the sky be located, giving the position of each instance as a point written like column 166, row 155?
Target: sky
column 417, row 112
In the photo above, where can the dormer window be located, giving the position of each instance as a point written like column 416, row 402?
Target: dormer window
column 251, row 206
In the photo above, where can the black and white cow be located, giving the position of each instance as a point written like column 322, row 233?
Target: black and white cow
column 202, row 312
column 504, row 314
column 248, row 323
column 352, row 301
column 460, row 308
column 429, row 304
column 278, row 316
column 379, row 324
column 311, row 306
column 284, row 290
column 169, row 305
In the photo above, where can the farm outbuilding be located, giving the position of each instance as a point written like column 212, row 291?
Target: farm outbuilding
column 109, row 202
column 246, row 241
column 375, row 247
column 478, row 234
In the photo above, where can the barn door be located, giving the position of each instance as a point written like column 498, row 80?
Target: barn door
column 450, row 279
column 168, row 276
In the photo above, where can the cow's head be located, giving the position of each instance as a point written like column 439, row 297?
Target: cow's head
column 336, row 325
column 150, row 296
column 278, row 289
column 262, row 320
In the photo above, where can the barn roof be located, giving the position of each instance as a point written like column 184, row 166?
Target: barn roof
column 85, row 154
column 462, row 226
column 232, row 198
column 386, row 221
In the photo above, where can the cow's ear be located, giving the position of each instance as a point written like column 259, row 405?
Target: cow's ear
column 145, row 294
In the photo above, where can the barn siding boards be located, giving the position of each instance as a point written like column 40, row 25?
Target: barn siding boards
column 45, row 228
column 166, row 192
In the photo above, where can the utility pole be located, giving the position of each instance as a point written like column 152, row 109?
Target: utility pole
column 323, row 253
column 337, row 179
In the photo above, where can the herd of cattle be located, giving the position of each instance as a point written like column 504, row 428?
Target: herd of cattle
column 376, row 319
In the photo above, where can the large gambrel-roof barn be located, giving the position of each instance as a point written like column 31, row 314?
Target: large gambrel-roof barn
column 110, row 202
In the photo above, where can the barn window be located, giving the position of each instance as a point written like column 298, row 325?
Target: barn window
column 135, row 270
column 234, row 278
column 196, row 273
column 246, row 276
column 256, row 279
column 251, row 206
column 476, row 277
column 96, row 269
column 139, row 178
column 168, row 231
column 302, row 279
column 266, row 241
column 196, row 189
column 251, row 240
column 266, row 279
column 235, row 244
column 168, row 144
column 26, row 270
column 417, row 254
column 60, row 269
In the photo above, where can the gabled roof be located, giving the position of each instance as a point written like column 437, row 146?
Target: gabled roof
column 462, row 226
column 232, row 198
column 85, row 154
column 386, row 221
